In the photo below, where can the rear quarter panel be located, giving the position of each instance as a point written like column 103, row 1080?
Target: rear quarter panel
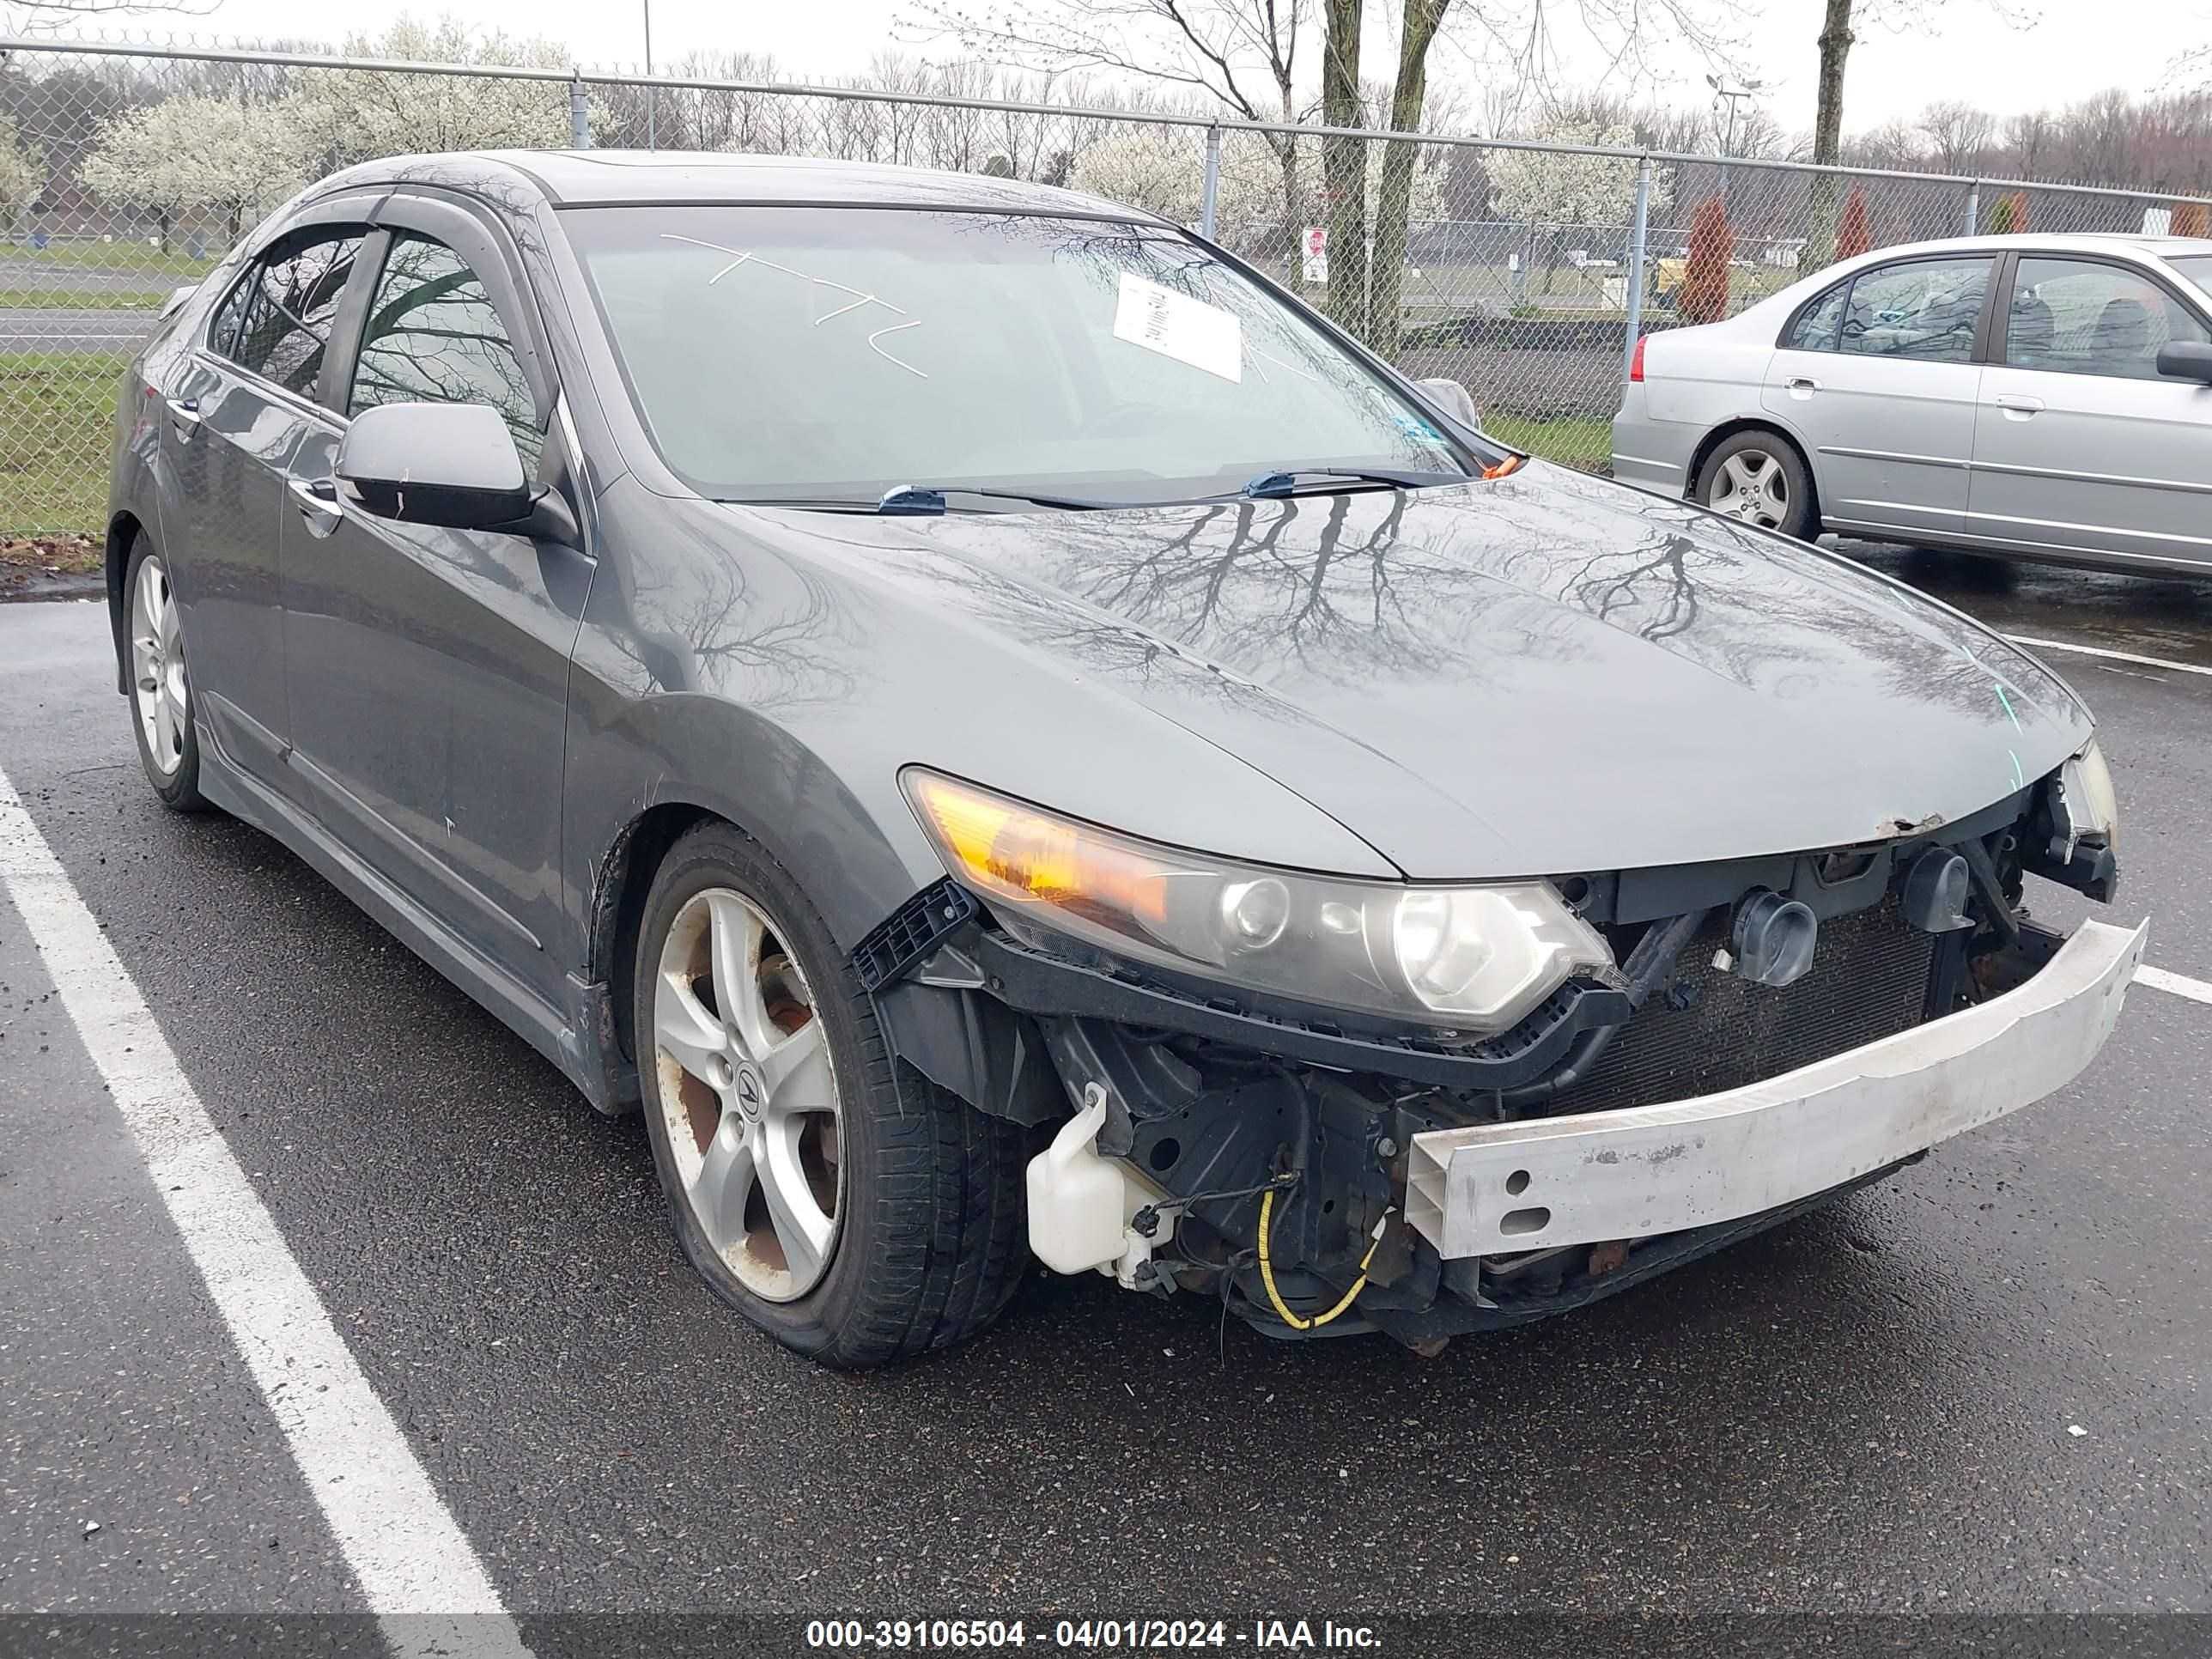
column 1701, row 377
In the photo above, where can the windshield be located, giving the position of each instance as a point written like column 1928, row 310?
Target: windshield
column 829, row 355
column 2198, row 267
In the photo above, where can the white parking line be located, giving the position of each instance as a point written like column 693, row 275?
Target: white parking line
column 415, row 1565
column 2179, row 984
column 2113, row 656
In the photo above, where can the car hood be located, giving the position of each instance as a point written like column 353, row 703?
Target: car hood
column 1536, row 675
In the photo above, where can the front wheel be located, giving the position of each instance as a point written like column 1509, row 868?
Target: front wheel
column 855, row 1214
column 1757, row 477
column 160, row 690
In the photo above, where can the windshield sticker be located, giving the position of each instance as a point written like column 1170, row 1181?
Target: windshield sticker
column 1176, row 326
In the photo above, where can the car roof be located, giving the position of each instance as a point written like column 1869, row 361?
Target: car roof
column 2084, row 242
column 602, row 178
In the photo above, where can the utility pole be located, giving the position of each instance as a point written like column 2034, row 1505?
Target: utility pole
column 1732, row 96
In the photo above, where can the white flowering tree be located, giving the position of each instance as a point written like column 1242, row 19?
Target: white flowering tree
column 345, row 115
column 196, row 157
column 1551, row 192
column 21, row 177
column 1550, row 189
column 1163, row 170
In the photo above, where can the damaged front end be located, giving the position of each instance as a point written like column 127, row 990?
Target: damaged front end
column 1633, row 1070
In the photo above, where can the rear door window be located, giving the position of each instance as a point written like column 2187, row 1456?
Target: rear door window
column 2083, row 317
column 276, row 322
column 1924, row 309
column 1814, row 328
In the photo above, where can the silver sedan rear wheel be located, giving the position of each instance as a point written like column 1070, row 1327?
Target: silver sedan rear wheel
column 162, row 698
column 1752, row 485
column 748, row 1095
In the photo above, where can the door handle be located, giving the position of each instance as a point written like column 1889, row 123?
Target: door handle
column 1802, row 384
column 185, row 413
column 318, row 499
column 2014, row 403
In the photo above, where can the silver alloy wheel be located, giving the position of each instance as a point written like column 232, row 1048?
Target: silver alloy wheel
column 748, row 1095
column 1751, row 485
column 157, row 658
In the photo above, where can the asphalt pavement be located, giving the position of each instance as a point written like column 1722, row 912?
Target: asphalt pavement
column 69, row 333
column 1982, row 1387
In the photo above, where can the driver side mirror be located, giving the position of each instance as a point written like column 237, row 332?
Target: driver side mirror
column 2186, row 360
column 1454, row 399
column 451, row 465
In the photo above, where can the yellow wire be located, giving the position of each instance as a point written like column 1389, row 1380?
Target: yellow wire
column 1300, row 1322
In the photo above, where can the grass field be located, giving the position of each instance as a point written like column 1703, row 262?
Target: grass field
column 57, row 417
column 139, row 258
column 1578, row 440
column 81, row 299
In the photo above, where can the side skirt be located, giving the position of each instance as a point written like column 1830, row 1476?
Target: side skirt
column 540, row 1026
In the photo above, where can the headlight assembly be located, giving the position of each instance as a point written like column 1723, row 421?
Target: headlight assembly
column 1473, row 959
column 2092, row 807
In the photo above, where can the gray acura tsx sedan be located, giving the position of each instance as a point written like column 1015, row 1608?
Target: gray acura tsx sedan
column 1008, row 736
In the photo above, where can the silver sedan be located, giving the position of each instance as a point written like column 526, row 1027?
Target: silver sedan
column 2045, row 397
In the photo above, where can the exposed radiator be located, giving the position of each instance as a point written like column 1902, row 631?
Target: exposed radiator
column 1869, row 980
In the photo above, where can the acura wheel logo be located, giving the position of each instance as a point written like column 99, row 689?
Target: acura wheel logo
column 750, row 1093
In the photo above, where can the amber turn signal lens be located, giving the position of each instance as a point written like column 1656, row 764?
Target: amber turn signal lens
column 1004, row 846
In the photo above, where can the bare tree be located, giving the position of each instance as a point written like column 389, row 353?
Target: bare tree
column 1624, row 32
column 1417, row 33
column 46, row 16
column 1240, row 56
column 1836, row 37
column 1244, row 56
column 698, row 117
column 1958, row 134
column 2102, row 132
column 2027, row 141
column 1344, row 167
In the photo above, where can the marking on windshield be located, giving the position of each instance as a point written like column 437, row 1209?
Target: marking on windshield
column 745, row 257
column 1270, row 356
column 842, row 310
column 893, row 329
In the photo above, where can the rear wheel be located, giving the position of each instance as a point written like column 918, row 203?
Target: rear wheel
column 1758, row 478
column 856, row 1215
column 161, row 689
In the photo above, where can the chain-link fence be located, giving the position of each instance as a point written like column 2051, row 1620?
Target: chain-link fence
column 1525, row 271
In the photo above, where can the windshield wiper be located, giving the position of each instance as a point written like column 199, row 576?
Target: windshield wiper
column 1279, row 486
column 924, row 500
column 930, row 498
column 929, row 501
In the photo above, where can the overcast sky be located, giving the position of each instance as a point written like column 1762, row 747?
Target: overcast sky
column 1962, row 49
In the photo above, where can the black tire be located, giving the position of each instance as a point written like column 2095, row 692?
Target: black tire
column 178, row 783
column 930, row 1236
column 1800, row 512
